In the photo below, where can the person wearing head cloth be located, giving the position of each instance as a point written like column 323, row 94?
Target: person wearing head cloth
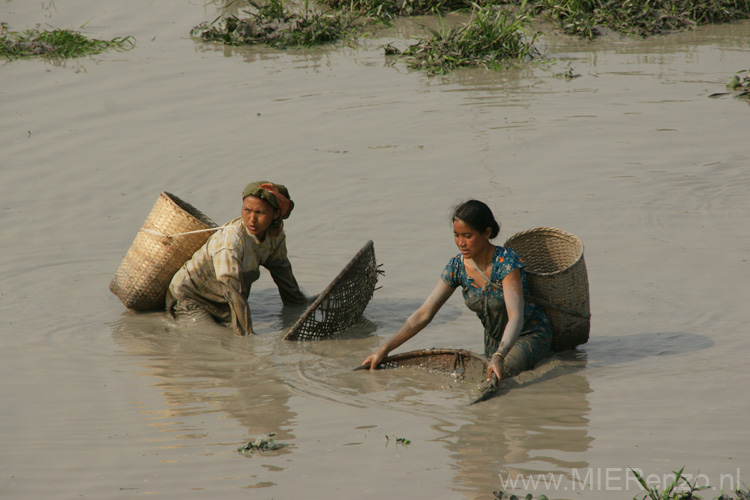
column 517, row 333
column 216, row 281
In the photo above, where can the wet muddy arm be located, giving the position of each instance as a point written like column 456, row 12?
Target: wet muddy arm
column 416, row 322
column 226, row 262
column 241, row 320
column 514, row 303
column 281, row 272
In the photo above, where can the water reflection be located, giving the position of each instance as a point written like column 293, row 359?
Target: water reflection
column 541, row 429
column 537, row 425
column 658, row 50
column 308, row 59
column 203, row 368
column 206, row 369
column 49, row 7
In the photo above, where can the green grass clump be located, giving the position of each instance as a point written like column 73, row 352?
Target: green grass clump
column 272, row 24
column 54, row 44
column 399, row 440
column 638, row 17
column 261, row 444
column 388, row 9
column 680, row 489
column 740, row 84
column 491, row 38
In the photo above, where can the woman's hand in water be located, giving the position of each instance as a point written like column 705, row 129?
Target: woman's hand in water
column 375, row 358
column 495, row 367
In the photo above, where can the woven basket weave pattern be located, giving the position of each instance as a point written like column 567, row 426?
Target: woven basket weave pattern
column 144, row 275
column 557, row 275
column 464, row 365
column 342, row 303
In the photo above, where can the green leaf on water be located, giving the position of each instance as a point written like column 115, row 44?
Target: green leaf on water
column 261, row 444
column 734, row 82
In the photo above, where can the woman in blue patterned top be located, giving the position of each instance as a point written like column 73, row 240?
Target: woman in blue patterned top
column 517, row 334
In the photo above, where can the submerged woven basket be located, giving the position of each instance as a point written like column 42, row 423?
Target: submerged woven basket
column 558, row 281
column 464, row 365
column 342, row 303
column 144, row 275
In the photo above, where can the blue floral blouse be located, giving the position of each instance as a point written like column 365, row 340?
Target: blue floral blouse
column 489, row 302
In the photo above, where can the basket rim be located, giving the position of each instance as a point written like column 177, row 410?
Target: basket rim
column 189, row 209
column 487, row 389
column 553, row 231
column 419, row 353
column 431, row 352
column 292, row 333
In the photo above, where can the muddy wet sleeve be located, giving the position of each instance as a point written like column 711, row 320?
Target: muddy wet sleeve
column 226, row 262
column 241, row 319
column 281, row 272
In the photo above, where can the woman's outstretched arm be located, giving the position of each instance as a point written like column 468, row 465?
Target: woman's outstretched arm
column 514, row 304
column 416, row 322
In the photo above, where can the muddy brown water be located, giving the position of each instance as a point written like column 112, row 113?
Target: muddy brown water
column 633, row 157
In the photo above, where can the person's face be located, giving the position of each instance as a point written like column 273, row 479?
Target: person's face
column 257, row 215
column 469, row 241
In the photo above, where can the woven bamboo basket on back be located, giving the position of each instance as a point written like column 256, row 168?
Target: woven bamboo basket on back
column 144, row 275
column 342, row 303
column 558, row 281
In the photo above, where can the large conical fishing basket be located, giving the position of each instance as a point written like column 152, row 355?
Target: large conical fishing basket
column 159, row 249
column 342, row 303
column 464, row 365
column 558, row 281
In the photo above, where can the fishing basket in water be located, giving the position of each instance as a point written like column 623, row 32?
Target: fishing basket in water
column 464, row 365
column 558, row 281
column 342, row 303
column 160, row 248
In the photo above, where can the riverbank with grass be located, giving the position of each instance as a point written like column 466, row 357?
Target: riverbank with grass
column 497, row 32
column 640, row 18
column 491, row 38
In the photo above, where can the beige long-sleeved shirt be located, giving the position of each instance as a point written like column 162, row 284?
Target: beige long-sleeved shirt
column 219, row 275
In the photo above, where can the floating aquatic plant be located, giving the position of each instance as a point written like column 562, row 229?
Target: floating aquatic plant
column 398, row 440
column 273, row 24
column 499, row 495
column 741, row 85
column 263, row 443
column 54, row 44
column 491, row 38
column 675, row 491
column 738, row 86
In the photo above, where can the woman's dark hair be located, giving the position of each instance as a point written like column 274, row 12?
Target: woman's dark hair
column 478, row 216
